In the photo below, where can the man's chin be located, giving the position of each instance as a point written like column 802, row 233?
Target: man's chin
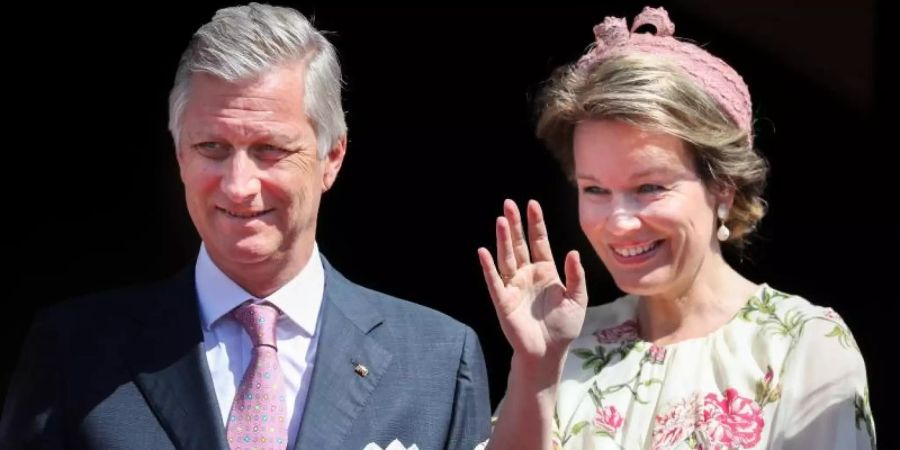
column 247, row 252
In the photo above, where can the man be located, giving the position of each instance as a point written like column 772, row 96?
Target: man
column 262, row 344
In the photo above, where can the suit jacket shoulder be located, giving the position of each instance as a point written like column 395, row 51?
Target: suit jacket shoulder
column 423, row 380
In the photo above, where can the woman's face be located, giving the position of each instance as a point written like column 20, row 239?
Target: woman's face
column 643, row 206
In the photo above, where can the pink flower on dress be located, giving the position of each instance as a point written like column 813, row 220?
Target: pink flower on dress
column 608, row 420
column 730, row 422
column 676, row 425
column 657, row 354
column 832, row 314
column 624, row 332
column 767, row 391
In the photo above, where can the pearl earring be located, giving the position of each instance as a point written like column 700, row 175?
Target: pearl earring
column 723, row 233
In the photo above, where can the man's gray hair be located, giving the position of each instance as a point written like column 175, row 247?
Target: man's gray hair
column 244, row 42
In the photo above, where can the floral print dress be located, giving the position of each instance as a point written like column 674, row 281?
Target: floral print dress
column 782, row 374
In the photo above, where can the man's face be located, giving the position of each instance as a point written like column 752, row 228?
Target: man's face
column 252, row 178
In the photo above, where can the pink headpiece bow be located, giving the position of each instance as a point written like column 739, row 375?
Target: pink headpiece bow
column 712, row 74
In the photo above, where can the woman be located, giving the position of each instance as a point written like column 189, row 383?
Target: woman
column 657, row 135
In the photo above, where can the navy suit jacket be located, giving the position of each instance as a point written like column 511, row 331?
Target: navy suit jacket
column 126, row 370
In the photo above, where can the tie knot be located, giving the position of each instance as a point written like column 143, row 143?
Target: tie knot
column 258, row 321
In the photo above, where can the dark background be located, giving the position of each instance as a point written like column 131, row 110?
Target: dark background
column 440, row 118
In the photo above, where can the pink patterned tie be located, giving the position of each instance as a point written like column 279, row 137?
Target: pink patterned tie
column 257, row 420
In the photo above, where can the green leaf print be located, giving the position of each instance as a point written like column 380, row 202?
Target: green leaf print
column 578, row 427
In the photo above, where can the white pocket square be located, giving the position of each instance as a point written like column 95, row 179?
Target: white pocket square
column 395, row 445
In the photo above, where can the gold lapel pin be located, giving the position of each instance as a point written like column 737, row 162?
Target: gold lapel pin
column 360, row 369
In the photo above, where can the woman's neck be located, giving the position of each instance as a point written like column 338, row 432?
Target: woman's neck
column 710, row 301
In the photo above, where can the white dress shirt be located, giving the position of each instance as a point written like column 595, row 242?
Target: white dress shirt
column 228, row 346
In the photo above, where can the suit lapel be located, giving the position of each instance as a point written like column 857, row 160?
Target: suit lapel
column 167, row 359
column 337, row 392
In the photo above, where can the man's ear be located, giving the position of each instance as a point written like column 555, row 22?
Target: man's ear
column 332, row 163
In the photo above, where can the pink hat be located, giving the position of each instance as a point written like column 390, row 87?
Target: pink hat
column 712, row 74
